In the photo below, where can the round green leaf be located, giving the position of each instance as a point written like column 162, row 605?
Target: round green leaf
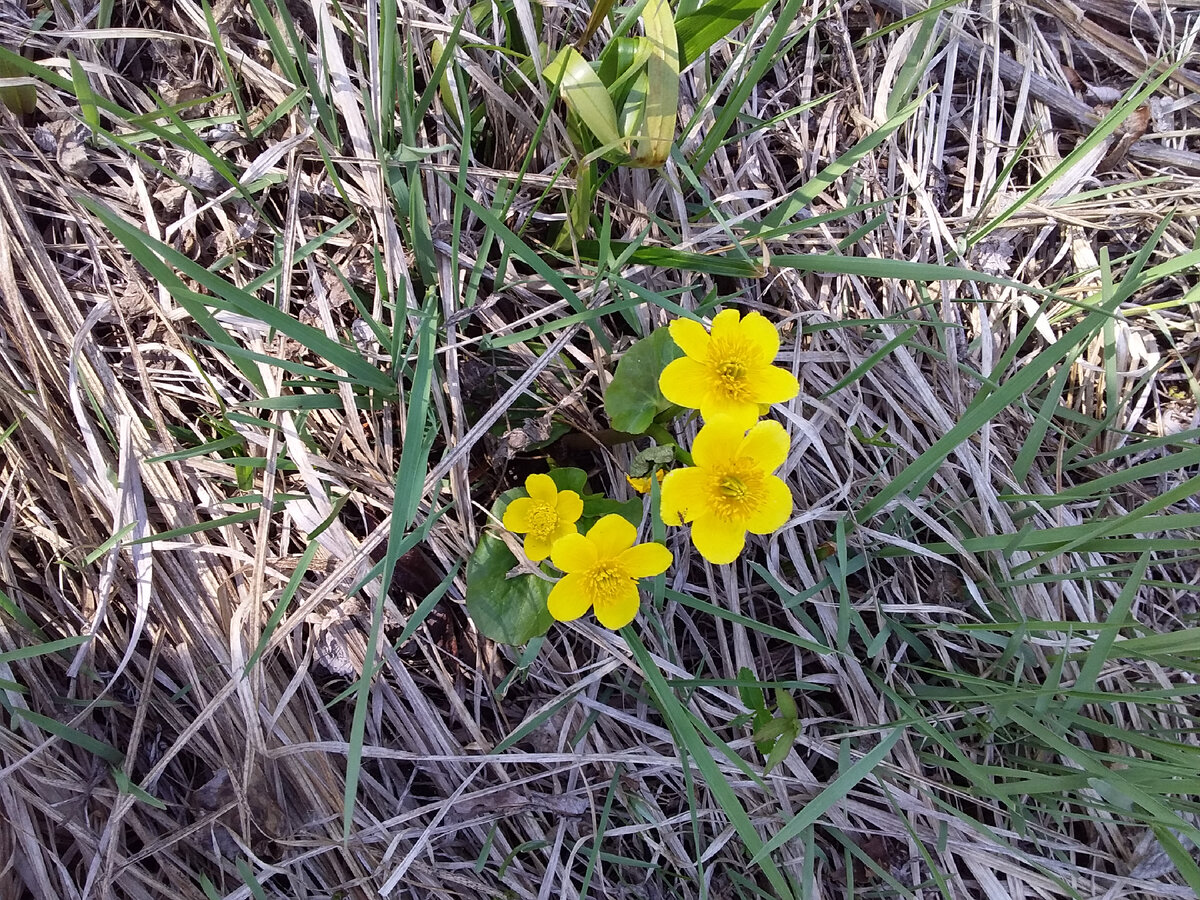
column 507, row 610
column 633, row 399
column 569, row 479
column 597, row 507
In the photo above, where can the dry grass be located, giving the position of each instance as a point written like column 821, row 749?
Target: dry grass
column 108, row 385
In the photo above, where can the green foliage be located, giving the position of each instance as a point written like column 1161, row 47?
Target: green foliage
column 774, row 732
column 633, row 400
column 697, row 31
column 507, row 610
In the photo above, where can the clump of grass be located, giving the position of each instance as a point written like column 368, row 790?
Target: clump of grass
column 293, row 293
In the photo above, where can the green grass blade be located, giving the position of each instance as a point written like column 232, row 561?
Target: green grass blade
column 685, row 732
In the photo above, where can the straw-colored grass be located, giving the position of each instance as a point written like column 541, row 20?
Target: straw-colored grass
column 257, row 349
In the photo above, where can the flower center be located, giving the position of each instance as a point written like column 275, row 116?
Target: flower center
column 543, row 520
column 606, row 581
column 737, row 490
column 731, row 370
column 733, row 487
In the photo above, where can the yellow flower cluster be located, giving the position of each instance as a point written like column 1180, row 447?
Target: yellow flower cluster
column 602, row 567
column 730, row 489
column 727, row 374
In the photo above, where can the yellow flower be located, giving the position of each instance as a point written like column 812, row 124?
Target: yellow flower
column 729, row 371
column 544, row 516
column 642, row 485
column 602, row 569
column 730, row 490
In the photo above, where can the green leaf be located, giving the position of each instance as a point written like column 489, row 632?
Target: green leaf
column 698, row 31
column 749, row 690
column 598, row 507
column 21, row 98
column 785, row 704
column 569, row 479
column 127, row 786
column 710, row 263
column 833, row 792
column 783, row 746
column 771, row 730
column 662, row 86
column 84, row 94
column 650, row 460
column 507, row 610
column 633, row 399
column 585, row 94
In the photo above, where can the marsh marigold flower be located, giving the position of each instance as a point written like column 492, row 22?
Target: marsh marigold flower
column 643, row 485
column 546, row 515
column 730, row 490
column 602, row 568
column 728, row 371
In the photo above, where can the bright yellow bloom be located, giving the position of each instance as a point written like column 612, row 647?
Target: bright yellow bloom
column 602, row 569
column 642, row 485
column 546, row 515
column 729, row 371
column 730, row 490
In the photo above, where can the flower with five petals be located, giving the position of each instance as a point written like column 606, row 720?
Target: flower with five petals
column 546, row 515
column 731, row 489
column 602, row 568
column 727, row 371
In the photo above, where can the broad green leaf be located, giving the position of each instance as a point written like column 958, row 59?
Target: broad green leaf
column 21, row 98
column 633, row 399
column 696, row 32
column 507, row 610
column 662, row 86
column 598, row 507
column 569, row 479
column 586, row 95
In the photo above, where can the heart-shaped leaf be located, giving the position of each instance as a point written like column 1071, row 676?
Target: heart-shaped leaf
column 633, row 399
column 507, row 610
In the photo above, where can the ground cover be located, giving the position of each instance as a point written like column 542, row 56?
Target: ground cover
column 293, row 294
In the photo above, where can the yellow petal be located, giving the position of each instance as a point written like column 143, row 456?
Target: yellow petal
column 564, row 529
column 725, row 325
column 775, row 507
column 569, row 599
column 683, row 495
column 542, row 488
column 645, row 560
column 617, row 610
column 612, row 536
column 685, row 382
column 744, row 413
column 767, row 444
column 774, row 385
column 717, row 540
column 641, row 485
column 717, row 441
column 537, row 548
column 569, row 507
column 691, row 337
column 516, row 516
column 760, row 338
column 573, row 553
